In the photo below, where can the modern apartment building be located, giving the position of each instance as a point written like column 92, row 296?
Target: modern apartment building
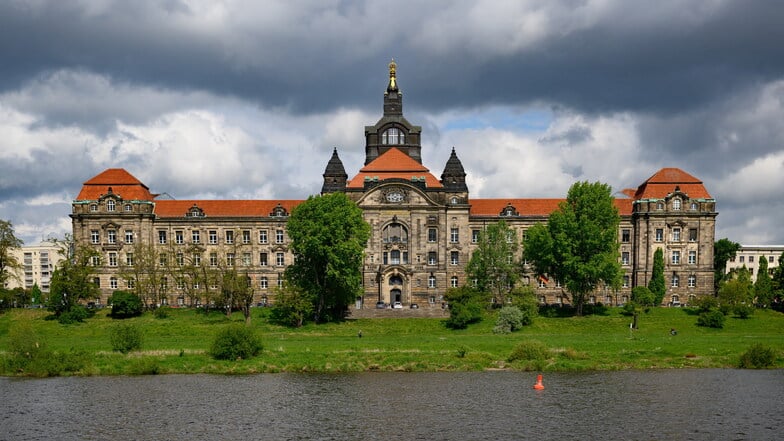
column 749, row 256
column 38, row 264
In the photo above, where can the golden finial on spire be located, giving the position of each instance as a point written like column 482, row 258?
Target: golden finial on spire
column 392, row 76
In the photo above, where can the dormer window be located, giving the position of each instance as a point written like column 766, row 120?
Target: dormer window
column 110, row 205
column 676, row 204
column 659, row 206
column 393, row 136
column 694, row 206
column 128, row 208
column 454, row 200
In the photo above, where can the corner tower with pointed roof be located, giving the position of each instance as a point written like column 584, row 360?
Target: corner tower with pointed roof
column 393, row 130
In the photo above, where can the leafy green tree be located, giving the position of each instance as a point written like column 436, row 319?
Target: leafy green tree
column 763, row 287
column 723, row 250
column 465, row 306
column 493, row 264
column 778, row 283
column 146, row 272
column 125, row 305
column 735, row 295
column 238, row 292
column 656, row 285
column 36, row 296
column 579, row 244
column 9, row 264
column 328, row 236
column 292, row 307
column 72, row 282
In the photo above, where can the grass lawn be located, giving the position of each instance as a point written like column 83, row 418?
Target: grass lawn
column 179, row 343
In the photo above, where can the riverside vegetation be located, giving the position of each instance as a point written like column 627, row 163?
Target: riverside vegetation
column 181, row 342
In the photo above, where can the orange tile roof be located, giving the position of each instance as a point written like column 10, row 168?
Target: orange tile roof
column 532, row 207
column 393, row 164
column 663, row 182
column 122, row 183
column 223, row 208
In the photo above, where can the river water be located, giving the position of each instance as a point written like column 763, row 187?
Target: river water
column 703, row 404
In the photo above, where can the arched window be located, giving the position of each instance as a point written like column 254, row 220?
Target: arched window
column 396, row 280
column 110, row 205
column 676, row 204
column 395, row 232
column 393, row 136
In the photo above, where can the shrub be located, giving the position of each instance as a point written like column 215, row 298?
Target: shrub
column 235, row 342
column 531, row 350
column 125, row 337
column 711, row 319
column 757, row 356
column 125, row 304
column 743, row 311
column 643, row 296
column 510, row 319
column 29, row 355
column 706, row 303
column 76, row 314
column 162, row 312
column 463, row 314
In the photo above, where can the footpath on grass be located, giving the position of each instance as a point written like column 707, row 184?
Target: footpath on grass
column 30, row 345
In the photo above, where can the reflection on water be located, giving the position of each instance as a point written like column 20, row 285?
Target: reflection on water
column 627, row 405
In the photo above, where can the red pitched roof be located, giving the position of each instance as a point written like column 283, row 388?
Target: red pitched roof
column 223, row 208
column 532, row 207
column 663, row 182
column 122, row 183
column 393, row 164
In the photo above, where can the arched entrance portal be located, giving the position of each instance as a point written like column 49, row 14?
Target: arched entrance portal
column 395, row 288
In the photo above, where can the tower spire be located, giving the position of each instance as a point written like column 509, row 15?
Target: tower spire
column 392, row 87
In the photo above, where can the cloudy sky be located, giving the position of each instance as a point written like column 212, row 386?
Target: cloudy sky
column 247, row 99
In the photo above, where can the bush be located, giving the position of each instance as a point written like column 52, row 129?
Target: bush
column 531, row 350
column 711, row 319
column 235, row 342
column 76, row 314
column 510, row 319
column 125, row 304
column 29, row 355
column 757, row 356
column 706, row 303
column 463, row 314
column 643, row 296
column 125, row 337
column 743, row 311
column 162, row 312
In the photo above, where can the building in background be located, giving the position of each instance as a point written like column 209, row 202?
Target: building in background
column 38, row 263
column 749, row 256
column 423, row 228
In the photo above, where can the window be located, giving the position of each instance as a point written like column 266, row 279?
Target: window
column 112, row 259
column 453, row 282
column 95, row 236
column 128, row 207
column 692, row 257
column 510, row 236
column 676, row 204
column 280, row 281
column 213, row 237
column 454, row 235
column 110, row 205
column 129, row 259
column 692, row 235
column 393, row 136
column 454, row 257
column 213, row 259
column 474, row 236
column 264, row 282
column 626, row 236
column 659, row 235
column 771, row 259
column 262, row 236
column 229, row 237
column 676, row 281
column 625, row 258
column 432, row 258
column 130, row 283
column 196, row 258
column 431, row 281
column 278, row 236
column 179, row 238
column 246, row 259
column 625, row 281
column 97, row 282
column 245, row 236
column 230, row 259
column 395, row 257
column 742, row 259
column 111, row 236
column 751, row 259
column 279, row 259
column 128, row 236
column 180, row 258
column 676, row 257
column 692, row 281
column 542, row 283
column 676, row 234
column 263, row 259
column 93, row 208
column 163, row 260
column 395, row 233
column 113, row 282
column 161, row 237
column 432, row 235
column 195, row 236
column 660, row 205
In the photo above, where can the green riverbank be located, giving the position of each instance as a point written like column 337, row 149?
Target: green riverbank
column 179, row 344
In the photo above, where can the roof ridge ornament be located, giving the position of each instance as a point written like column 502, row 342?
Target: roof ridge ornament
column 392, row 76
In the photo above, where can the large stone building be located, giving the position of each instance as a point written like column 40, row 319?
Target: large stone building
column 424, row 228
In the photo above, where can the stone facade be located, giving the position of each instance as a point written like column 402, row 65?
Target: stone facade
column 423, row 229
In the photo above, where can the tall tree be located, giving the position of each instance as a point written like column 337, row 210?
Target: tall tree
column 763, row 287
column 9, row 264
column 237, row 289
column 723, row 250
column 328, row 237
column 656, row 284
column 494, row 265
column 579, row 244
column 778, row 281
column 72, row 280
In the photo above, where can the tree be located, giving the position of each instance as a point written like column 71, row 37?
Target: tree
column 36, row 296
column 237, row 291
column 328, row 237
column 292, row 307
column 763, row 287
column 735, row 295
column 9, row 264
column 145, row 272
column 579, row 244
column 778, row 283
column 125, row 304
column 656, row 284
column 72, row 282
column 723, row 250
column 493, row 265
column 465, row 306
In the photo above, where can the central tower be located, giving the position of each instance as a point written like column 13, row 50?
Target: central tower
column 393, row 130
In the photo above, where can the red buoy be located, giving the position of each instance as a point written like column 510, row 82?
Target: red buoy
column 539, row 385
